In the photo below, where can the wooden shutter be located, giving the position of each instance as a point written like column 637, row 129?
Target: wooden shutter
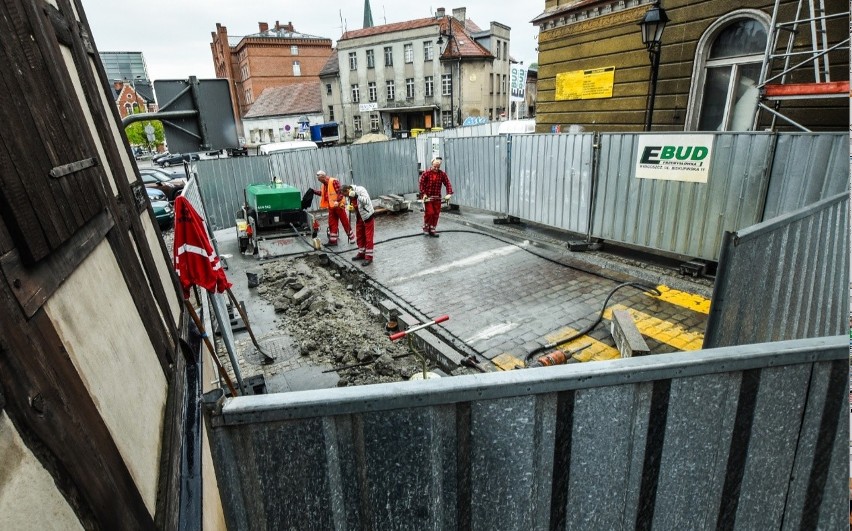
column 50, row 179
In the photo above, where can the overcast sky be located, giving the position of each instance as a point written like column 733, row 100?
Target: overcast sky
column 174, row 36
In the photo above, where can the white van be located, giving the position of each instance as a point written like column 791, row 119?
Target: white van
column 292, row 145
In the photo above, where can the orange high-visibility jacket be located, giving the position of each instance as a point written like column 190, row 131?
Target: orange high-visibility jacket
column 329, row 195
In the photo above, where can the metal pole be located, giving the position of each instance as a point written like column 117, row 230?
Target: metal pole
column 654, row 52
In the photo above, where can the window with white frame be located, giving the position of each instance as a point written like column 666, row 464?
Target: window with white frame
column 726, row 70
column 408, row 52
column 446, row 84
column 371, row 89
column 409, row 88
column 374, row 122
column 356, row 94
column 294, row 50
column 331, row 113
column 447, row 119
column 328, row 89
column 353, row 61
column 498, row 49
column 430, row 86
column 357, row 124
column 371, row 59
column 388, row 56
column 297, row 68
column 428, row 51
column 390, row 90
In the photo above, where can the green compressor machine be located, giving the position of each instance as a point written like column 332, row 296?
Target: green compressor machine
column 272, row 210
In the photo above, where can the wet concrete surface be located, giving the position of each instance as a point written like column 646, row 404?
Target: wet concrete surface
column 508, row 289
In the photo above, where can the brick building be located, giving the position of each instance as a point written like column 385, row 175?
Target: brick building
column 272, row 57
column 133, row 97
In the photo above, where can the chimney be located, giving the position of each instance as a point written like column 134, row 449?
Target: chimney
column 460, row 14
column 263, row 26
column 289, row 26
column 117, row 85
column 440, row 13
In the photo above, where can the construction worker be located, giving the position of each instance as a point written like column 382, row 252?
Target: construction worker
column 360, row 202
column 335, row 202
column 431, row 182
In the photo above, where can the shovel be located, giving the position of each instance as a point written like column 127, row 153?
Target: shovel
column 267, row 359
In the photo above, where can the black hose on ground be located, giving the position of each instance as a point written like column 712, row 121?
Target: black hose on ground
column 589, row 328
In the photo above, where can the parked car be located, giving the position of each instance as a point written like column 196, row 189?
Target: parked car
column 168, row 183
column 163, row 210
column 177, row 158
column 159, row 156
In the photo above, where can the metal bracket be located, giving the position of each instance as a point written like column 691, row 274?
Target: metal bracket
column 72, row 167
column 694, row 268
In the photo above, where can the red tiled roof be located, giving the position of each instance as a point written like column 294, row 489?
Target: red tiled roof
column 461, row 45
column 303, row 98
column 390, row 28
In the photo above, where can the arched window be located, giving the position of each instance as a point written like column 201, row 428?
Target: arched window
column 727, row 67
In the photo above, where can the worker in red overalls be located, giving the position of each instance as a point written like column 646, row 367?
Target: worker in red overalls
column 431, row 182
column 360, row 202
column 335, row 202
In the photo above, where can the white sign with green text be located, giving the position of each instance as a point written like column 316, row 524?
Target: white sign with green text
column 674, row 157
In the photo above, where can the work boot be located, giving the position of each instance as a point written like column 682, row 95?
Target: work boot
column 434, row 234
column 357, row 257
column 331, row 244
column 367, row 262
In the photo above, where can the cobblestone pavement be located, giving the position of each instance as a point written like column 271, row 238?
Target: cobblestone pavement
column 509, row 291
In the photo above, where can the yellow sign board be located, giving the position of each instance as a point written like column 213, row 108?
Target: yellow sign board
column 585, row 84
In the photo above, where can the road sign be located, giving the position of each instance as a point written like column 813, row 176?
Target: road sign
column 212, row 128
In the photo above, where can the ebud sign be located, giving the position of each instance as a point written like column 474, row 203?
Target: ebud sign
column 517, row 83
column 675, row 157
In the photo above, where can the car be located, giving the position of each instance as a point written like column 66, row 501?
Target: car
column 177, row 158
column 169, row 183
column 164, row 212
column 159, row 156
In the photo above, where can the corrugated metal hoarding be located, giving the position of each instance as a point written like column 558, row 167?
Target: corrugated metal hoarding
column 385, row 167
column 551, row 180
column 786, row 278
column 750, row 437
column 478, row 170
column 806, row 168
column 223, row 183
column 684, row 218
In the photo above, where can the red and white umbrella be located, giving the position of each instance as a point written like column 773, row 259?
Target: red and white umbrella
column 195, row 261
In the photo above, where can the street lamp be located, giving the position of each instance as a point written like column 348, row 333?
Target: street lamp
column 440, row 43
column 652, row 25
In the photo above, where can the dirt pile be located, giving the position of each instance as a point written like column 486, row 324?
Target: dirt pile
column 322, row 307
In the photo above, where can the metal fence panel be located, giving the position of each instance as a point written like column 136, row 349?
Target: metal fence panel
column 478, row 170
column 551, row 180
column 638, row 436
column 385, row 167
column 693, row 449
column 806, row 168
column 223, row 182
column 786, row 278
column 679, row 217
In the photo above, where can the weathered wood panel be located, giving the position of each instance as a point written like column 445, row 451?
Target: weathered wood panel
column 51, row 408
column 41, row 212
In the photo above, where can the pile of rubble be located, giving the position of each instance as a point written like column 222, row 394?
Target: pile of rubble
column 323, row 307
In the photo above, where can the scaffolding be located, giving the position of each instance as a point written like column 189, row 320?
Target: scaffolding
column 785, row 56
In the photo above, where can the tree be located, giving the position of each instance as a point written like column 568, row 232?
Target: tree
column 136, row 133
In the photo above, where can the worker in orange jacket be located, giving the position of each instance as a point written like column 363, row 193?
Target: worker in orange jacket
column 332, row 199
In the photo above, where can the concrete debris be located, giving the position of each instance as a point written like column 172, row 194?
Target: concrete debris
column 321, row 306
